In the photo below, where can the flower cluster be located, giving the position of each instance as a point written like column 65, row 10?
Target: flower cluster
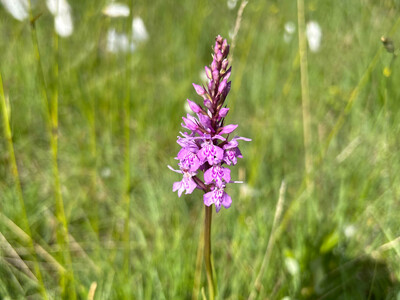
column 205, row 148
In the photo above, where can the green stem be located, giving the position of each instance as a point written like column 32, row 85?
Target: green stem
column 305, row 90
column 127, row 160
column 305, row 101
column 207, row 251
column 51, row 114
column 14, row 168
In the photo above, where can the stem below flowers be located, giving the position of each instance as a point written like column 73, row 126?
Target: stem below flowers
column 207, row 251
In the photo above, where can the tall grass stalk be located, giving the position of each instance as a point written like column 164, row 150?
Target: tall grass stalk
column 238, row 22
column 15, row 173
column 300, row 195
column 93, row 152
column 126, row 193
column 305, row 97
column 51, row 113
column 271, row 242
column 354, row 95
column 23, row 236
column 127, row 161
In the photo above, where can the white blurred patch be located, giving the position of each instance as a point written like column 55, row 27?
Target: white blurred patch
column 231, row 4
column 139, row 32
column 203, row 76
column 187, row 108
column 314, row 35
column 247, row 191
column 292, row 266
column 105, row 172
column 230, row 33
column 115, row 10
column 118, row 42
column 17, row 8
column 290, row 28
column 350, row 231
column 63, row 25
column 61, row 11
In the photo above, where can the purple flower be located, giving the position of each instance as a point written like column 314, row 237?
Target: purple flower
column 187, row 183
column 205, row 149
column 217, row 196
column 232, row 150
column 188, row 160
column 215, row 174
column 212, row 153
column 188, row 142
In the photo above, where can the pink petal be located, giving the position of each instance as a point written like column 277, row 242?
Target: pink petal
column 208, row 198
column 220, row 153
column 201, row 155
column 227, row 74
column 228, row 129
column 193, row 106
column 222, row 86
column 199, row 90
column 223, row 112
column 192, row 186
column 208, row 176
column 218, row 206
column 227, row 174
column 182, row 154
column 226, row 200
column 178, row 186
column 208, row 72
column 190, row 124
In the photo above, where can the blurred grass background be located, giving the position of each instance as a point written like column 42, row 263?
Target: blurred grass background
column 118, row 118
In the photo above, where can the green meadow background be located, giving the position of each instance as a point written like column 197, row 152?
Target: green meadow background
column 89, row 212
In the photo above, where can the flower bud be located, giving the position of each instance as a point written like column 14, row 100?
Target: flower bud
column 199, row 90
column 214, row 65
column 227, row 89
column 189, row 123
column 228, row 129
column 211, row 87
column 222, row 86
column 223, row 112
column 208, row 72
column 207, row 103
column 219, row 56
column 224, row 64
column 194, row 107
column 227, row 74
column 215, row 75
column 216, row 47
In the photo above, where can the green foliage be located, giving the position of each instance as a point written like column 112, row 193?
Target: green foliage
column 341, row 251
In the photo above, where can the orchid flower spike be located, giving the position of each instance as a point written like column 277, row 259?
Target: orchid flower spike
column 205, row 149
